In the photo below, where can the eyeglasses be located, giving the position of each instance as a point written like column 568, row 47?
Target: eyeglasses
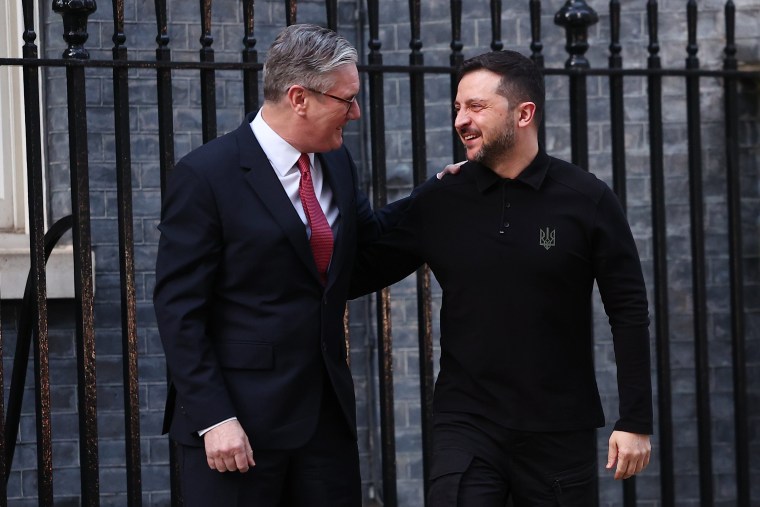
column 350, row 101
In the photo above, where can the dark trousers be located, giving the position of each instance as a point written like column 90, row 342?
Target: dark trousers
column 476, row 463
column 323, row 473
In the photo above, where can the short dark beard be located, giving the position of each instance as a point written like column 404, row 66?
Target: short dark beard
column 489, row 154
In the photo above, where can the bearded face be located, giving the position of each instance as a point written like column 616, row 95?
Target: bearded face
column 485, row 121
column 496, row 145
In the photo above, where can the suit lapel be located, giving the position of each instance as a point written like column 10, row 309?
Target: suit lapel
column 262, row 178
column 334, row 173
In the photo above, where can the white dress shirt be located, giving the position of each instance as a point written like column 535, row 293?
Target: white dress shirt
column 283, row 158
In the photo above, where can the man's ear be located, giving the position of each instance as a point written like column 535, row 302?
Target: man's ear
column 297, row 98
column 527, row 114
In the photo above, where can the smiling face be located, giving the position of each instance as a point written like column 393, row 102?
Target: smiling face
column 327, row 116
column 485, row 121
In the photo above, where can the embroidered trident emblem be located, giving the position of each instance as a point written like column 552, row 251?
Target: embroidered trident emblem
column 546, row 238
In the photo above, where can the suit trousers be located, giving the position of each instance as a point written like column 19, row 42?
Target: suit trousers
column 477, row 463
column 322, row 473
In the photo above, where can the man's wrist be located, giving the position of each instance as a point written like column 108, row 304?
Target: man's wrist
column 206, row 430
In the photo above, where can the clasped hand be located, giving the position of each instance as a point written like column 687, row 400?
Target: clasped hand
column 630, row 451
column 228, row 449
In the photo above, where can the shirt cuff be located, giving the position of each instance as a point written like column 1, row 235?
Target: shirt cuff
column 204, row 431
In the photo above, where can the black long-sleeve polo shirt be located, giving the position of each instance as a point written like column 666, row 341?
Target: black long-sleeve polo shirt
column 517, row 260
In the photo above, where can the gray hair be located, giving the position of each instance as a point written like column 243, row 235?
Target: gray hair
column 304, row 55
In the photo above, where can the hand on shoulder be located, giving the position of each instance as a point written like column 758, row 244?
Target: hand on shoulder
column 450, row 169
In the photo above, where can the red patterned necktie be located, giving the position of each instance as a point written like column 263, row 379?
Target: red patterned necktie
column 321, row 239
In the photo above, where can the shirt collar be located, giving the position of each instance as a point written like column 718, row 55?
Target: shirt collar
column 280, row 153
column 533, row 175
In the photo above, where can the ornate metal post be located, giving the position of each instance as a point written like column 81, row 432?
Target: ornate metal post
column 617, row 114
column 536, row 48
column 331, row 13
column 698, row 272
column 36, row 289
column 208, row 76
column 166, row 157
column 496, row 43
column 456, row 59
column 75, row 14
column 424, row 292
column 291, row 12
column 576, row 17
column 383, row 297
column 164, row 91
column 660, row 259
column 126, row 261
column 733, row 184
column 250, row 55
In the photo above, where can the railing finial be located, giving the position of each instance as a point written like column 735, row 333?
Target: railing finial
column 75, row 14
column 576, row 16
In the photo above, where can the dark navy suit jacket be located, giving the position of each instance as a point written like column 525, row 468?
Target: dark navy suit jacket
column 247, row 327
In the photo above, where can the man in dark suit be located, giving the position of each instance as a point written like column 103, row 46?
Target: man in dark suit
column 259, row 232
column 517, row 240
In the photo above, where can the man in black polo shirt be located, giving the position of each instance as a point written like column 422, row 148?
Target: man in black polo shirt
column 516, row 241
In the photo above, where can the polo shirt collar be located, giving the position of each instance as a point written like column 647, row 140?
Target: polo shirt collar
column 533, row 175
